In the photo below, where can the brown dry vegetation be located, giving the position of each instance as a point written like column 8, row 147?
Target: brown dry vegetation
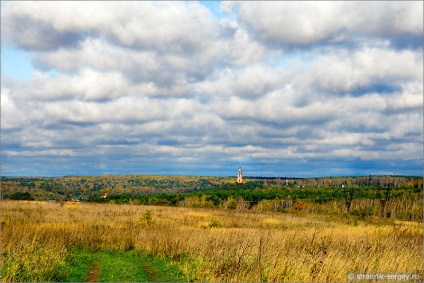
column 208, row 244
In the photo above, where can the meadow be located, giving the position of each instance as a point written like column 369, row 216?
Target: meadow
column 44, row 241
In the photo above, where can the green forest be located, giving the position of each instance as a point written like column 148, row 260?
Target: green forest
column 384, row 196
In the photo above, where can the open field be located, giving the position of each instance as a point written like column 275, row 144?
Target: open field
column 44, row 241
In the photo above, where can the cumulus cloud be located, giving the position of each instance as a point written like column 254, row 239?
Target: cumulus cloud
column 303, row 24
column 172, row 28
column 365, row 68
column 252, row 81
column 166, row 87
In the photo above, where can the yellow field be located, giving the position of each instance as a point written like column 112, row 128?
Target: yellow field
column 209, row 244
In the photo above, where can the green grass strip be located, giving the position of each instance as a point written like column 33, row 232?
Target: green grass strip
column 108, row 266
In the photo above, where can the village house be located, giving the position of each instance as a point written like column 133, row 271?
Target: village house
column 77, row 199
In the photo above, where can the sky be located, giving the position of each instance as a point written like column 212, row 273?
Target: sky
column 297, row 89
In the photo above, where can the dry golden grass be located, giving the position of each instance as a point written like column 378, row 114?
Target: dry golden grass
column 209, row 244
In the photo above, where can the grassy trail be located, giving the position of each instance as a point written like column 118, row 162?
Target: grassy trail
column 105, row 266
column 47, row 242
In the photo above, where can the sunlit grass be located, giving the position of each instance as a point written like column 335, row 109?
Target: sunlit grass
column 207, row 244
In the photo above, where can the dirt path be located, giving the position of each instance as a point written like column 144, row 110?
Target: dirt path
column 152, row 274
column 106, row 266
column 93, row 275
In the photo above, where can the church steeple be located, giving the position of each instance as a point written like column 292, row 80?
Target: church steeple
column 240, row 176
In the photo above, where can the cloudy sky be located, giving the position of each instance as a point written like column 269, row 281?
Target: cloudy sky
column 199, row 88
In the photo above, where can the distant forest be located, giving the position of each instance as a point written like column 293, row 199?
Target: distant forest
column 45, row 188
column 363, row 196
column 63, row 188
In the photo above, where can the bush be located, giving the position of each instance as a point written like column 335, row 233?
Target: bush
column 162, row 202
column 363, row 212
column 299, row 205
column 232, row 205
column 147, row 218
column 21, row 196
column 214, row 224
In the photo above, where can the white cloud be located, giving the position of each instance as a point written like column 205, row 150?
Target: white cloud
column 7, row 109
column 307, row 23
column 168, row 82
column 13, row 114
column 252, row 81
column 168, row 27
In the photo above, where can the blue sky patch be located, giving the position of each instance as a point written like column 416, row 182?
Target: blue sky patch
column 213, row 6
column 16, row 63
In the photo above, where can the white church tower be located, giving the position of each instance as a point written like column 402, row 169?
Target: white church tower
column 240, row 176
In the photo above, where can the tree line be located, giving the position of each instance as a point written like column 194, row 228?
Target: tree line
column 364, row 196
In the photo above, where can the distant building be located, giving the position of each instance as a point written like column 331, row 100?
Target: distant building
column 77, row 198
column 240, row 176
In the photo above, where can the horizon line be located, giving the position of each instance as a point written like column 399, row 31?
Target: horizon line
column 224, row 176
